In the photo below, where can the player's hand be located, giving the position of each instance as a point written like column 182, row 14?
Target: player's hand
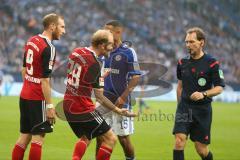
column 120, row 102
column 125, row 112
column 197, row 96
column 51, row 115
column 106, row 72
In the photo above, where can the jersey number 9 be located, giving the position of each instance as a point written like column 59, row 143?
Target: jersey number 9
column 29, row 60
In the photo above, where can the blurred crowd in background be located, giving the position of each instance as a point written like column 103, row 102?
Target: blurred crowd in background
column 155, row 28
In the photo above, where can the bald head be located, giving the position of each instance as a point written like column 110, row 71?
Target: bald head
column 101, row 37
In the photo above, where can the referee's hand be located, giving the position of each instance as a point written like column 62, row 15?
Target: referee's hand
column 197, row 96
column 51, row 114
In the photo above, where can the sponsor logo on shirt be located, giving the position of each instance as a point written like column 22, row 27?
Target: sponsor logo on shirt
column 32, row 79
column 115, row 71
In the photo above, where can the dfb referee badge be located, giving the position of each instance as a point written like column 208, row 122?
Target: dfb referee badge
column 202, row 82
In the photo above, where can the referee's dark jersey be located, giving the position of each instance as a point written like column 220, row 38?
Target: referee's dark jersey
column 199, row 75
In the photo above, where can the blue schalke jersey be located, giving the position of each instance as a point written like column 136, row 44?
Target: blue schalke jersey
column 123, row 64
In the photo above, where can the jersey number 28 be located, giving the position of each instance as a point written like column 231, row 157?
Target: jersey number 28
column 74, row 71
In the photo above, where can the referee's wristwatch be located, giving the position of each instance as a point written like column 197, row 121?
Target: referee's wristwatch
column 204, row 94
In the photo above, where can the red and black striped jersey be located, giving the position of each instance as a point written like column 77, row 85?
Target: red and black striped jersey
column 39, row 59
column 83, row 75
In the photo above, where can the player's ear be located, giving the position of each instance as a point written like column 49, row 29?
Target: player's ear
column 202, row 42
column 52, row 26
column 102, row 46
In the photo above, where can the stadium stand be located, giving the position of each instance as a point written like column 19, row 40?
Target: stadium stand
column 156, row 28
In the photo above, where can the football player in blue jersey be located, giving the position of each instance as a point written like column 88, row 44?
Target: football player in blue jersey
column 124, row 75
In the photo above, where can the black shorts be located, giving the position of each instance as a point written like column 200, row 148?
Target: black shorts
column 194, row 120
column 33, row 117
column 93, row 126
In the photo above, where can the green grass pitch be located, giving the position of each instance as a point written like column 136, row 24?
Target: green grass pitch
column 152, row 139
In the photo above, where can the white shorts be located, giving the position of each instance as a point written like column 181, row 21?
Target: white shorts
column 121, row 125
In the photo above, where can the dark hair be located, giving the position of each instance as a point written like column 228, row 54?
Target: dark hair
column 49, row 19
column 114, row 23
column 199, row 32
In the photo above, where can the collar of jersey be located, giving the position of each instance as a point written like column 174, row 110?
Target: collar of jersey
column 91, row 51
column 118, row 48
column 44, row 37
column 194, row 60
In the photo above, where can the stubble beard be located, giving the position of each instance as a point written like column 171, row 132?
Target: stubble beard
column 55, row 35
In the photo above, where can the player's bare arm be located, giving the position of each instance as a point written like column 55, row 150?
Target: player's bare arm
column 132, row 84
column 107, row 103
column 179, row 90
column 46, row 88
column 23, row 73
column 208, row 93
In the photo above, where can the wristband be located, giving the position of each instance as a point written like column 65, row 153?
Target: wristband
column 49, row 106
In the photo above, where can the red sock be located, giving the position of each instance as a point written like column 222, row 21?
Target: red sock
column 79, row 150
column 18, row 152
column 104, row 153
column 35, row 151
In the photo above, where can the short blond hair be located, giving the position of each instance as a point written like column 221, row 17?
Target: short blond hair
column 49, row 19
column 101, row 36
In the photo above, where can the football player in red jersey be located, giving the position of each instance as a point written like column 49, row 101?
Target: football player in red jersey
column 37, row 113
column 83, row 77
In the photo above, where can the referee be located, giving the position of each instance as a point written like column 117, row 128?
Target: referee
column 199, row 79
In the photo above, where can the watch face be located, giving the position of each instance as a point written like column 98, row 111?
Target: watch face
column 205, row 94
